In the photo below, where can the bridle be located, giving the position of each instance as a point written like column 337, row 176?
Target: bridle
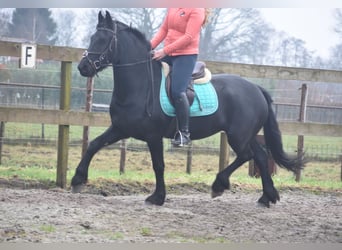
column 104, row 60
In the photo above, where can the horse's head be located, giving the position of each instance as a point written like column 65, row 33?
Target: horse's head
column 102, row 44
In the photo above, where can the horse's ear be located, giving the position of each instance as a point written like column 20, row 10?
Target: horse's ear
column 100, row 17
column 109, row 20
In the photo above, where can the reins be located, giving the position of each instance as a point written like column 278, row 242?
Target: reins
column 150, row 72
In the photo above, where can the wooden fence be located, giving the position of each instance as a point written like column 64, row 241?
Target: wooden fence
column 64, row 117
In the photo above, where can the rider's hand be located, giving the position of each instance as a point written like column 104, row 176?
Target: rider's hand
column 158, row 54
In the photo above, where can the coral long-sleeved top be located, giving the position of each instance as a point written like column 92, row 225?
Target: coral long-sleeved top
column 180, row 31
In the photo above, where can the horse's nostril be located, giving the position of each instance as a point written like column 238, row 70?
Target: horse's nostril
column 82, row 68
column 85, row 70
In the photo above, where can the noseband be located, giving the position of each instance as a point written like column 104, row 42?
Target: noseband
column 104, row 58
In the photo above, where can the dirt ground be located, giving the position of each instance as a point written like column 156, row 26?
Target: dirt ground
column 54, row 215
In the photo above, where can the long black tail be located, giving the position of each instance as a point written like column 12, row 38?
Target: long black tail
column 274, row 143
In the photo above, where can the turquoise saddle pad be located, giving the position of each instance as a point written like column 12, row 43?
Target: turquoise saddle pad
column 206, row 102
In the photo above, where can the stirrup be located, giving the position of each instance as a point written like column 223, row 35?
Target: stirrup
column 180, row 140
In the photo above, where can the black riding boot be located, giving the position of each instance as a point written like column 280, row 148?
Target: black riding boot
column 182, row 137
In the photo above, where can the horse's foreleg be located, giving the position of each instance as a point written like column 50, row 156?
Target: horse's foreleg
column 81, row 174
column 270, row 193
column 157, row 155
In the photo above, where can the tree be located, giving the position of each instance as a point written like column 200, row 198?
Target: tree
column 65, row 27
column 147, row 20
column 336, row 59
column 33, row 24
column 74, row 26
column 5, row 18
column 235, row 35
column 294, row 53
column 338, row 18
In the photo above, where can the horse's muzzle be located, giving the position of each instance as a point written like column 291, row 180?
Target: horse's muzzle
column 86, row 69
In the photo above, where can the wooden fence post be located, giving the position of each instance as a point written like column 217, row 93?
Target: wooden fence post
column 89, row 102
column 42, row 107
column 123, row 150
column 224, row 152
column 2, row 134
column 189, row 159
column 302, row 115
column 253, row 168
column 341, row 165
column 63, row 130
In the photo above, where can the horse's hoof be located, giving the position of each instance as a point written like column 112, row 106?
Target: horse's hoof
column 148, row 203
column 215, row 194
column 264, row 201
column 272, row 195
column 220, row 184
column 77, row 189
column 157, row 200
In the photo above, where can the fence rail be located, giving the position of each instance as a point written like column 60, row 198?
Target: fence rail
column 45, row 52
column 276, row 72
column 94, row 119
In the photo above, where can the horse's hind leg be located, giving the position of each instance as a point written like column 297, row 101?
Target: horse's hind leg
column 270, row 193
column 222, row 178
column 240, row 145
column 81, row 175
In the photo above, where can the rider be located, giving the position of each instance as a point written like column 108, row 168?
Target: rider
column 180, row 32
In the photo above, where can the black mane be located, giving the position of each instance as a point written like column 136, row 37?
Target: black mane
column 137, row 33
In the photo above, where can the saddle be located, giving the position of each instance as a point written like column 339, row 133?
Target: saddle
column 200, row 75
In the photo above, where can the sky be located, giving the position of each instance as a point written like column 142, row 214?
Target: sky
column 315, row 26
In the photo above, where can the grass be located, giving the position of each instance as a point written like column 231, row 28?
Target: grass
column 116, row 236
column 47, row 228
column 38, row 164
column 184, row 238
column 146, row 231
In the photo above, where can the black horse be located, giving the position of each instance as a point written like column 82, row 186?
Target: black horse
column 244, row 108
